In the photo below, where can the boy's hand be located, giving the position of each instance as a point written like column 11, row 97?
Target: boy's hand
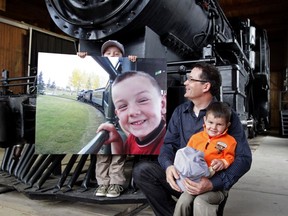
column 132, row 58
column 114, row 136
column 82, row 54
column 217, row 165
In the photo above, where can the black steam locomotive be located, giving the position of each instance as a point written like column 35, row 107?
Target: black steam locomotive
column 184, row 32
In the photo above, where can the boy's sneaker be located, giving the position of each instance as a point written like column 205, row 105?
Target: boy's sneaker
column 101, row 190
column 114, row 190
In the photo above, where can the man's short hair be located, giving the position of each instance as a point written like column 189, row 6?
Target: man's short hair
column 212, row 75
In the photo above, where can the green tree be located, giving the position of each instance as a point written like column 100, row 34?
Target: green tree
column 76, row 79
column 96, row 82
column 40, row 84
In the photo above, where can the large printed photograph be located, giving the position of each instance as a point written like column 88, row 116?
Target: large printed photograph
column 81, row 101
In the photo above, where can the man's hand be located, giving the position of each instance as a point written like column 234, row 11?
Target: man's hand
column 171, row 175
column 196, row 188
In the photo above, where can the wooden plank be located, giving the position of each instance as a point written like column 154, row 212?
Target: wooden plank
column 3, row 5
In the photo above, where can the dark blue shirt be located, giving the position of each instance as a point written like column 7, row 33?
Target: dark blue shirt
column 184, row 123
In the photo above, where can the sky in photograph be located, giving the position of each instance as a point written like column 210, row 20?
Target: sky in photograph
column 58, row 68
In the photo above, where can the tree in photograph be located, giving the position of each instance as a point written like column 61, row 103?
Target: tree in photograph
column 76, row 79
column 40, row 83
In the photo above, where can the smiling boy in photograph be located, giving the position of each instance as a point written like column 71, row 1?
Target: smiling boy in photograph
column 141, row 109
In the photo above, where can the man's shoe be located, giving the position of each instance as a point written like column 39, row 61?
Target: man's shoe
column 114, row 190
column 101, row 190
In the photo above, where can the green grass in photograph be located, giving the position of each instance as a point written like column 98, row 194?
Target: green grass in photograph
column 64, row 125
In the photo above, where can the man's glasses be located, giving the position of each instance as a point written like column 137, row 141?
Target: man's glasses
column 188, row 77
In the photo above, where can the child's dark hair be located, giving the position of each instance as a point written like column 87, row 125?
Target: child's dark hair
column 130, row 74
column 219, row 110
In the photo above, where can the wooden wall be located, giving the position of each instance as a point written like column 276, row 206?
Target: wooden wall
column 278, row 52
column 3, row 5
column 14, row 48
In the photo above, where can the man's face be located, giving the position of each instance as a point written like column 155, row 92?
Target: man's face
column 112, row 51
column 138, row 105
column 194, row 85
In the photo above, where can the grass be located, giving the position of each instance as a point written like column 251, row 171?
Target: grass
column 63, row 125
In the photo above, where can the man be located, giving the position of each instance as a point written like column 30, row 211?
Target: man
column 157, row 180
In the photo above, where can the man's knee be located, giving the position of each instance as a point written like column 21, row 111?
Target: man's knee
column 143, row 173
column 139, row 169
